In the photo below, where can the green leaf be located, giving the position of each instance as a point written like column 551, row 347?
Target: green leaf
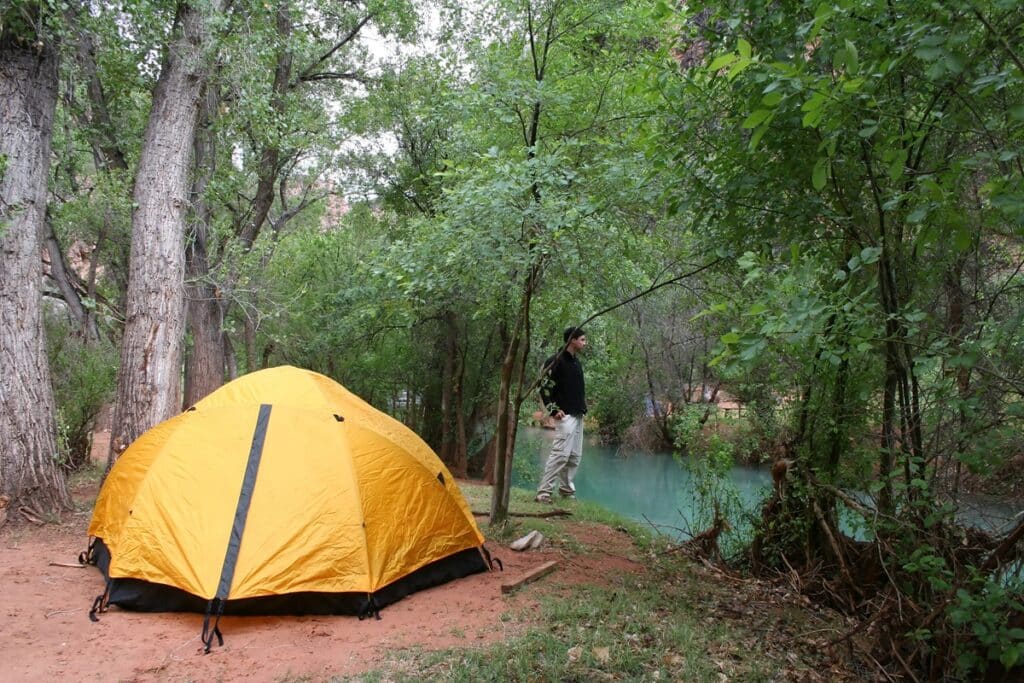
column 814, row 103
column 811, row 119
column 963, row 239
column 663, row 10
column 756, row 118
column 717, row 308
column 852, row 85
column 870, row 255
column 757, row 309
column 722, row 61
column 918, row 214
column 737, row 68
column 820, row 174
column 756, row 137
column 916, row 316
column 851, row 57
column 744, row 48
column 897, row 165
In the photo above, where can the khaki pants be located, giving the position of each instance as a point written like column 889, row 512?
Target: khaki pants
column 566, row 452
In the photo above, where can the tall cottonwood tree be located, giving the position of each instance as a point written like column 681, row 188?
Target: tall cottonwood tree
column 29, row 472
column 294, row 77
column 149, row 377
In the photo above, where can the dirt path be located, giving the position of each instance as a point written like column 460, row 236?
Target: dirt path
column 46, row 634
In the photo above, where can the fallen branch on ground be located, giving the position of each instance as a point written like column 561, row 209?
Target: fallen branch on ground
column 542, row 515
column 31, row 515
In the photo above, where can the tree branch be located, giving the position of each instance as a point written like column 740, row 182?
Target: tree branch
column 308, row 71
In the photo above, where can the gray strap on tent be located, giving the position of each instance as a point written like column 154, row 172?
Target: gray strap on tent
column 101, row 602
column 89, row 555
column 490, row 560
column 370, row 609
column 215, row 607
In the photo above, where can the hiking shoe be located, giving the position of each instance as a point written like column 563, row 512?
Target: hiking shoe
column 543, row 498
column 567, row 495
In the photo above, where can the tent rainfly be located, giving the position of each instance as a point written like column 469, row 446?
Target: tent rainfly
column 280, row 493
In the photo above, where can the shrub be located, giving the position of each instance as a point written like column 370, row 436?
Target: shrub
column 84, row 378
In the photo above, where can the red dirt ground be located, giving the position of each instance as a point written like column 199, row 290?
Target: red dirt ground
column 46, row 635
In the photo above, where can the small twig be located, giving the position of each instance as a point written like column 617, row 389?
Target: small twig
column 799, row 636
column 725, row 575
column 881, row 668
column 75, row 565
column 794, row 575
column 906, row 667
column 862, row 625
column 61, row 611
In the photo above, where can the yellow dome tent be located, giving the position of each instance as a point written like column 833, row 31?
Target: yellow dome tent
column 281, row 492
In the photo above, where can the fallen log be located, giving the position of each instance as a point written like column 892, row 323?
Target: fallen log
column 540, row 515
column 532, row 575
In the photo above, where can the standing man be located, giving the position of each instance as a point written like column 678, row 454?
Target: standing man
column 564, row 398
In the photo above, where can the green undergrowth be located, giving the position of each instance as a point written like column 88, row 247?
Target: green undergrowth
column 630, row 630
column 659, row 624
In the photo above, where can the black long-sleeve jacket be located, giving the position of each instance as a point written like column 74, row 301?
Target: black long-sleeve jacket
column 563, row 388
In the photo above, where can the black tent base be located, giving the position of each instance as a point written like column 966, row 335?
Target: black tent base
column 144, row 596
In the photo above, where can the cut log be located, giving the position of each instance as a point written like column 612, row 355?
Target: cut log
column 532, row 575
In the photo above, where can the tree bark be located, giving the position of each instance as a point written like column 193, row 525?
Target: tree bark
column 448, row 375
column 104, row 138
column 512, row 369
column 66, row 281
column 149, row 377
column 29, row 472
column 460, row 456
column 204, row 362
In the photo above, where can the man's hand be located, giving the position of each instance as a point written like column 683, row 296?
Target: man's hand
column 559, row 414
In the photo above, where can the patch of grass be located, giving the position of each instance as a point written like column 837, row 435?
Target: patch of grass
column 83, row 479
column 648, row 626
column 90, row 474
column 673, row 622
column 636, row 629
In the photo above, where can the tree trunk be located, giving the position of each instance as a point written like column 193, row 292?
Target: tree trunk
column 104, row 140
column 29, row 472
column 249, row 335
column 513, row 366
column 502, row 449
column 460, row 456
column 149, row 377
column 63, row 276
column 448, row 374
column 204, row 363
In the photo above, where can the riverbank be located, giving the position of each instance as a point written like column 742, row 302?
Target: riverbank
column 620, row 605
column 627, row 605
